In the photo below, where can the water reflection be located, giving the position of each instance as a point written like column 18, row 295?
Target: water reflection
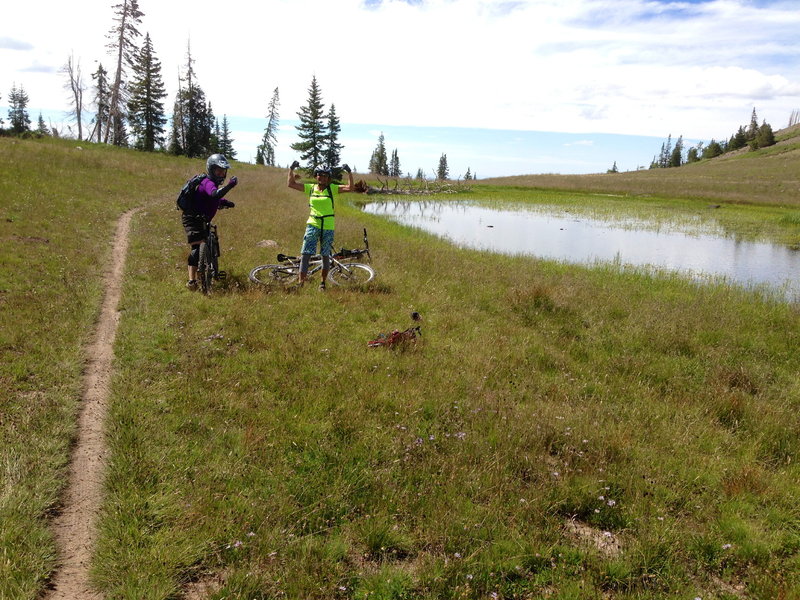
column 700, row 251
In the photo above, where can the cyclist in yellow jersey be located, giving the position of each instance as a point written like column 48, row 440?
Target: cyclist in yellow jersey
column 320, row 225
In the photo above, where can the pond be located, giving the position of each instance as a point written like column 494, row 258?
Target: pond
column 699, row 249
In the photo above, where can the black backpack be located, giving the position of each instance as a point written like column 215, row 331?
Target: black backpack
column 185, row 200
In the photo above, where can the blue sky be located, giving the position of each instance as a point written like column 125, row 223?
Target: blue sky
column 500, row 87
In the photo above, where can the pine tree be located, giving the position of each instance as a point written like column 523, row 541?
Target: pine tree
column 752, row 131
column 332, row 146
column 765, row 136
column 443, row 172
column 713, row 150
column 266, row 151
column 192, row 119
column 420, row 175
column 102, row 101
column 394, row 165
column 123, row 42
column 738, row 140
column 17, row 113
column 311, row 130
column 146, row 106
column 378, row 163
column 225, row 140
column 676, row 156
column 42, row 128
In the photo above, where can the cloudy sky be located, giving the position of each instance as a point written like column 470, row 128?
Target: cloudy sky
column 500, row 86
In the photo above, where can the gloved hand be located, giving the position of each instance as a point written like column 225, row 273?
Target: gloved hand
column 346, row 168
column 233, row 181
column 226, row 204
column 295, row 164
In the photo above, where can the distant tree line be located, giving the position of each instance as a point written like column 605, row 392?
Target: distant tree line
column 379, row 165
column 754, row 136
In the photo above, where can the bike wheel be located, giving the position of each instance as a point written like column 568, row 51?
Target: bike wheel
column 351, row 274
column 205, row 268
column 274, row 275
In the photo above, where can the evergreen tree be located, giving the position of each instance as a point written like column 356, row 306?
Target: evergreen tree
column 146, row 106
column 738, row 140
column 332, row 146
column 102, row 102
column 613, row 169
column 123, row 42
column 214, row 133
column 379, row 163
column 394, row 165
column 713, row 150
column 764, row 138
column 443, row 172
column 311, row 130
column 266, row 151
column 193, row 120
column 420, row 175
column 225, row 140
column 17, row 113
column 42, row 128
column 752, row 131
column 676, row 156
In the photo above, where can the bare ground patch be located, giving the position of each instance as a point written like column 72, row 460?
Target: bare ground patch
column 74, row 527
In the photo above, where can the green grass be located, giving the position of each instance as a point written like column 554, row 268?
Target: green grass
column 254, row 436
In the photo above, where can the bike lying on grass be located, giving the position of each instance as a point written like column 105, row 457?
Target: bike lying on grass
column 345, row 271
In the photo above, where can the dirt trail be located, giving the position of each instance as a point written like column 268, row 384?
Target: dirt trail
column 74, row 528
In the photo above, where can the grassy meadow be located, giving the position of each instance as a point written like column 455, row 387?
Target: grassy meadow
column 558, row 431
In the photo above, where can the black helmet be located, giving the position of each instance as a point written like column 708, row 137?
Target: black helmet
column 322, row 170
column 216, row 160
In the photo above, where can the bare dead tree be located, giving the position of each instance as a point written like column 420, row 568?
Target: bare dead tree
column 76, row 88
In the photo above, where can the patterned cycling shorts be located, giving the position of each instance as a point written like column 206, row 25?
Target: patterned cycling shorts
column 311, row 239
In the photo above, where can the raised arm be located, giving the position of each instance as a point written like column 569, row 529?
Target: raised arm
column 291, row 180
column 350, row 185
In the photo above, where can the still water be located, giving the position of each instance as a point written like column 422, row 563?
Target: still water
column 700, row 250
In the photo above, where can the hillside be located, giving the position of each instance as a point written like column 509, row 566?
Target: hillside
column 768, row 176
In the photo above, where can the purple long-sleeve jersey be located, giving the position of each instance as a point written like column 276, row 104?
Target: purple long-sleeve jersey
column 204, row 198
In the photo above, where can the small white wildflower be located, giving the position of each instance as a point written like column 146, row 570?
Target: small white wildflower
column 727, row 546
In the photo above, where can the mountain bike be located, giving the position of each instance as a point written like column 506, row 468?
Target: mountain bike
column 208, row 269
column 345, row 271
